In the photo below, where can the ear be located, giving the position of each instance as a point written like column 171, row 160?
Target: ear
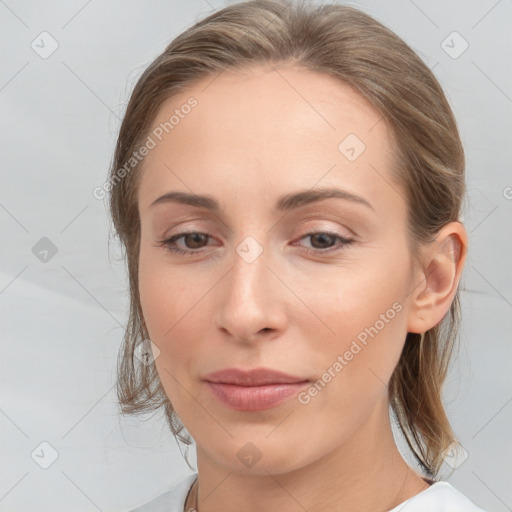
column 442, row 261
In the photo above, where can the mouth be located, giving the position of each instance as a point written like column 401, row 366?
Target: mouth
column 254, row 398
column 253, row 377
column 253, row 390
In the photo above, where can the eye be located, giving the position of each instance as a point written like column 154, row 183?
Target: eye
column 193, row 238
column 325, row 241
column 322, row 241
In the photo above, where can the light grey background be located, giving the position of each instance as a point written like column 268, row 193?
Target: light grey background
column 62, row 320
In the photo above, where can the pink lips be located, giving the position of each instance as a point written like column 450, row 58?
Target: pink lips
column 253, row 390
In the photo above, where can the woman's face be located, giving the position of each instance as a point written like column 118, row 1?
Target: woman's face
column 276, row 277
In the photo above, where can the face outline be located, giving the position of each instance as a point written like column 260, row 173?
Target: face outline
column 215, row 309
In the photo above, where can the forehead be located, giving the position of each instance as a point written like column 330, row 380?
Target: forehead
column 273, row 127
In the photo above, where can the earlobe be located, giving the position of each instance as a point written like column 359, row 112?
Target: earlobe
column 443, row 262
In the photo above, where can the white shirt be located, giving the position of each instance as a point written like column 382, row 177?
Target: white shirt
column 439, row 497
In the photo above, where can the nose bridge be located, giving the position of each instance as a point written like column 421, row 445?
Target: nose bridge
column 249, row 269
column 249, row 276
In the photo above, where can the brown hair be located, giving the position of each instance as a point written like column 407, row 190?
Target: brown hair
column 351, row 45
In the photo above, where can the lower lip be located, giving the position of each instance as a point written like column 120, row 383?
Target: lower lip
column 254, row 398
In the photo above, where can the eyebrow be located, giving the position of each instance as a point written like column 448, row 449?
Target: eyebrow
column 285, row 203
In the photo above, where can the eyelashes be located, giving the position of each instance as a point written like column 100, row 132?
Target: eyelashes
column 171, row 245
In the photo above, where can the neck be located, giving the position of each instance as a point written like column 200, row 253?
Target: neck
column 365, row 473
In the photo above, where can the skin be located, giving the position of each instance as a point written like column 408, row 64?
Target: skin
column 254, row 136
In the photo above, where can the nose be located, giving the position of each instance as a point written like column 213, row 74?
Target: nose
column 251, row 301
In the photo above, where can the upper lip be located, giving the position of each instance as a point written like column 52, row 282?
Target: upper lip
column 253, row 377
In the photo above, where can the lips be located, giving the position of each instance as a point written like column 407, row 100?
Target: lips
column 253, row 390
column 254, row 377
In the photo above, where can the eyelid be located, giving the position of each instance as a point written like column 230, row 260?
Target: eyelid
column 169, row 242
column 327, row 217
column 311, row 231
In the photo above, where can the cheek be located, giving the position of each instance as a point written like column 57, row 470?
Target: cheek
column 366, row 314
column 354, row 367
column 177, row 312
column 165, row 302
column 360, row 300
column 165, row 295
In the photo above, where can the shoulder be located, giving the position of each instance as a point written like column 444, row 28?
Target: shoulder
column 441, row 496
column 172, row 500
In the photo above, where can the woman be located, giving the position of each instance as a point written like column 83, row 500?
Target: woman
column 287, row 184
